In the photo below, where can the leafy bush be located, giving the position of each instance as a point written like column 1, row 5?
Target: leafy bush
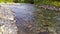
column 6, row 1
column 52, row 2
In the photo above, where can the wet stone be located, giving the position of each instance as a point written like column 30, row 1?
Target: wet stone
column 39, row 21
column 49, row 19
column 44, row 33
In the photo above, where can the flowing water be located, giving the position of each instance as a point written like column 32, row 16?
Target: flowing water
column 32, row 20
column 24, row 17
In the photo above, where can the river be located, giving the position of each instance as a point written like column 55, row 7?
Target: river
column 24, row 16
column 31, row 20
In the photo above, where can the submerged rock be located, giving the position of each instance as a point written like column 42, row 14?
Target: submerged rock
column 32, row 20
column 48, row 16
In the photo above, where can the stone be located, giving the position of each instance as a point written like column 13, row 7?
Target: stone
column 7, row 21
column 6, row 13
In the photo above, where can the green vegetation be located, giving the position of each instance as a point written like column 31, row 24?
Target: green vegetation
column 53, row 2
column 6, row 1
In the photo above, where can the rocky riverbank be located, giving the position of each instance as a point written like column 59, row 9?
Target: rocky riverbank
column 50, row 7
column 31, row 19
column 49, row 17
column 7, row 21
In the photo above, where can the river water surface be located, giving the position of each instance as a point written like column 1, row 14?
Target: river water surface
column 24, row 16
column 28, row 23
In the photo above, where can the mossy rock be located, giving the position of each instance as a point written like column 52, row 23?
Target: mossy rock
column 48, row 16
